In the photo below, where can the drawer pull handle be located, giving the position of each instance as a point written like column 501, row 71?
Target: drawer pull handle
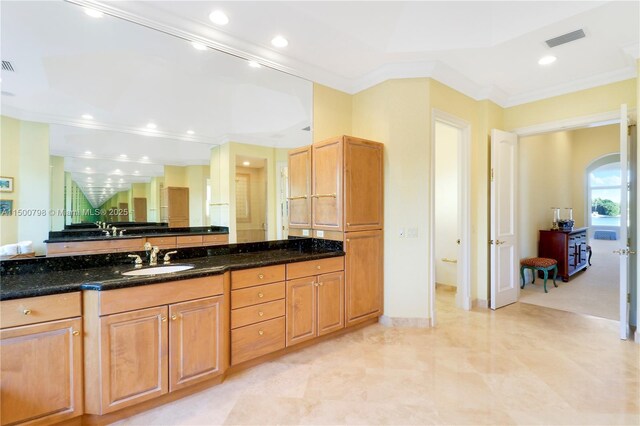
column 260, row 332
column 66, row 246
column 261, row 276
column 260, row 313
column 174, row 317
column 164, row 319
column 27, row 312
column 75, row 332
column 261, row 295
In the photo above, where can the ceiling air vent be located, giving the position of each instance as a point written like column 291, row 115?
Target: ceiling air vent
column 565, row 38
column 6, row 66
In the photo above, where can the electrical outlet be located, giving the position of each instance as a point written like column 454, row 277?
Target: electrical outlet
column 320, row 234
column 305, row 232
column 402, row 233
column 412, row 233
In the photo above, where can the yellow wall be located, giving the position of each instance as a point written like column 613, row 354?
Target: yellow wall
column 577, row 104
column 252, row 230
column 196, row 180
column 57, row 191
column 446, row 202
column 175, row 176
column 9, row 160
column 331, row 113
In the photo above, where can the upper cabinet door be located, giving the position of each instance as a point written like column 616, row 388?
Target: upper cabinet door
column 363, row 185
column 326, row 185
column 300, row 187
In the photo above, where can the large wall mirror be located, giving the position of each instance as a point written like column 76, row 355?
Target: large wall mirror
column 101, row 115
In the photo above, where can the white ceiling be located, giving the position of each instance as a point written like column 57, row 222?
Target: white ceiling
column 484, row 49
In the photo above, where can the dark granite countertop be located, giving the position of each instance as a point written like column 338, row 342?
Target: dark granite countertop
column 28, row 278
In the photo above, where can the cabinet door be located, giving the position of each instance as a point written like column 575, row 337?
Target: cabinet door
column 330, row 302
column 363, row 275
column 41, row 372
column 326, row 184
column 178, row 205
column 363, row 185
column 134, row 357
column 195, row 353
column 300, row 188
column 301, row 310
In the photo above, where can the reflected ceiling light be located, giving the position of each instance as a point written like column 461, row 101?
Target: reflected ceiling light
column 123, row 155
column 254, row 64
column 144, row 157
column 87, row 153
column 88, row 169
column 136, row 172
column 546, row 60
column 93, row 13
column 279, row 41
column 117, row 171
column 89, row 184
column 87, row 116
column 121, row 180
column 152, row 126
column 190, row 132
column 246, row 163
column 198, row 46
column 218, row 17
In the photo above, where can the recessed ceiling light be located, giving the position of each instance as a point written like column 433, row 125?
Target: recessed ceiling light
column 198, row 46
column 218, row 17
column 117, row 171
column 546, row 60
column 87, row 116
column 93, row 13
column 108, row 180
column 87, row 168
column 152, row 126
column 121, row 180
column 136, row 172
column 279, row 41
column 254, row 64
column 123, row 155
column 87, row 153
column 246, row 163
column 144, row 157
column 190, row 132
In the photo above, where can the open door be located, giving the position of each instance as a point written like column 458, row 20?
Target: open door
column 624, row 251
column 504, row 241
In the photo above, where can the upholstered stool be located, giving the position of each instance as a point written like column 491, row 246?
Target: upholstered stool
column 539, row 264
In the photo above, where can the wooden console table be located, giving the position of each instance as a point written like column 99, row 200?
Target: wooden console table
column 569, row 248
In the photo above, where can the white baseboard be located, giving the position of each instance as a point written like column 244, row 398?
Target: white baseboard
column 388, row 321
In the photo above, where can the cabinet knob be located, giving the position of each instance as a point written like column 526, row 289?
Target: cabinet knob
column 27, row 312
column 164, row 319
column 260, row 332
column 320, row 284
column 260, row 313
column 174, row 317
column 318, row 267
column 261, row 276
column 348, row 224
column 75, row 332
column 261, row 295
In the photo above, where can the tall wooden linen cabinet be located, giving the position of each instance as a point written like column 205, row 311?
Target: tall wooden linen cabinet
column 336, row 192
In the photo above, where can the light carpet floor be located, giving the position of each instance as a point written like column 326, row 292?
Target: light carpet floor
column 592, row 292
column 522, row 364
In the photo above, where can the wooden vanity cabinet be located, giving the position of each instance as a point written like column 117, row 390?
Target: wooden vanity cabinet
column 364, row 276
column 300, row 188
column 142, row 342
column 41, row 359
column 315, row 303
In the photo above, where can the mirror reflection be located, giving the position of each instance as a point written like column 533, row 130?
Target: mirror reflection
column 104, row 120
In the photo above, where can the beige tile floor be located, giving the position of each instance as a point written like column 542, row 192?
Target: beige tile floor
column 522, row 364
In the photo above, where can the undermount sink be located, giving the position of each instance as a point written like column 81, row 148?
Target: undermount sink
column 156, row 270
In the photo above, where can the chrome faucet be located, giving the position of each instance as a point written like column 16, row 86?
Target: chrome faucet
column 106, row 232
column 166, row 258
column 115, row 231
column 154, row 256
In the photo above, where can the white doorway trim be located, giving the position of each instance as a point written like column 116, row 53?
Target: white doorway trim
column 463, row 296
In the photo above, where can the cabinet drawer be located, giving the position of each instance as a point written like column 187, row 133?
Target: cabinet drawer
column 130, row 244
column 257, row 276
column 255, row 295
column 215, row 239
column 32, row 310
column 256, row 340
column 77, row 247
column 189, row 240
column 314, row 267
column 162, row 242
column 257, row 313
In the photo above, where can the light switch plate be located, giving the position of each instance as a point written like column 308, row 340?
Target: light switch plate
column 412, row 232
column 305, row 232
column 320, row 234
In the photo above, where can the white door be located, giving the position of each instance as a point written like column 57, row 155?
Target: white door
column 504, row 241
column 624, row 251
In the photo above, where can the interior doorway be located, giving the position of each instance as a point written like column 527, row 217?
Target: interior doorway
column 449, row 223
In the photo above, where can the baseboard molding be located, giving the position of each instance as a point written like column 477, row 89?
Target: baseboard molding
column 480, row 303
column 388, row 321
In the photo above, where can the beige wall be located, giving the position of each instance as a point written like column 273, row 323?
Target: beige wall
column 577, row 104
column 9, row 161
column 175, row 176
column 57, row 191
column 196, row 180
column 252, row 230
column 446, row 202
column 332, row 113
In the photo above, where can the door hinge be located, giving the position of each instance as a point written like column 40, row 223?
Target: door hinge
column 492, row 174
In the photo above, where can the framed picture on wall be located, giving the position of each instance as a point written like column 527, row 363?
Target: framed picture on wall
column 6, row 184
column 6, row 207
